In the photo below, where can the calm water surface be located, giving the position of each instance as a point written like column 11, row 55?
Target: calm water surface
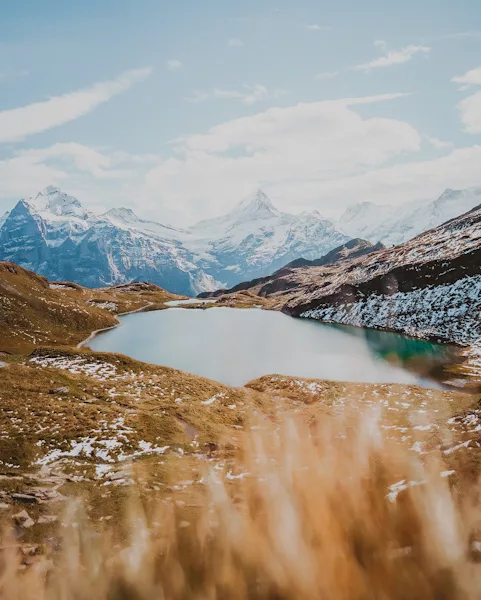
column 234, row 346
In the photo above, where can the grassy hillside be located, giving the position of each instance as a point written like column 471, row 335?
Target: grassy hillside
column 110, row 430
column 76, row 422
column 34, row 312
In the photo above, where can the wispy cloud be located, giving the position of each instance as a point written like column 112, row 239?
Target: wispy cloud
column 459, row 35
column 173, row 64
column 316, row 27
column 326, row 75
column 84, row 158
column 235, row 43
column 373, row 99
column 4, row 75
column 249, row 94
column 393, row 57
column 18, row 123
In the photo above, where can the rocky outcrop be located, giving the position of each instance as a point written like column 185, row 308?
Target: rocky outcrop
column 353, row 249
column 278, row 280
column 429, row 287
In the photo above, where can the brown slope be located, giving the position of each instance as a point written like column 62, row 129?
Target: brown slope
column 34, row 312
column 437, row 257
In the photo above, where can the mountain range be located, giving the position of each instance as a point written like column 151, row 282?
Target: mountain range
column 55, row 236
column 393, row 225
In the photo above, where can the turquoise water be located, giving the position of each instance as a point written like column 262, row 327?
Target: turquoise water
column 234, row 346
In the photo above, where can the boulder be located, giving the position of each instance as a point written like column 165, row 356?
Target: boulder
column 23, row 519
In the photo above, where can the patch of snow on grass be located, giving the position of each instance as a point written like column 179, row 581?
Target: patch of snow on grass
column 211, row 400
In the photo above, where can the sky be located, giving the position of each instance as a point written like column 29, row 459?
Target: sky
column 179, row 110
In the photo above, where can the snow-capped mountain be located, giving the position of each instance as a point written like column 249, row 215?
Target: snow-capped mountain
column 55, row 236
column 255, row 239
column 396, row 224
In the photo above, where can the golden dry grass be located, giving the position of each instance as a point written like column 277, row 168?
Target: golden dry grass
column 76, row 420
column 332, row 511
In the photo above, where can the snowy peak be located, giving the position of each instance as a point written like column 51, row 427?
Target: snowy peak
column 52, row 200
column 357, row 211
column 67, row 242
column 125, row 218
column 362, row 217
column 254, row 208
column 397, row 224
column 311, row 215
column 51, row 189
column 458, row 198
column 126, row 215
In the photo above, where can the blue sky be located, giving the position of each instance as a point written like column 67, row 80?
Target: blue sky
column 179, row 109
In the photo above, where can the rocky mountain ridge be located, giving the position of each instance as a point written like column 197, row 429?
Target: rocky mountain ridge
column 428, row 287
column 352, row 249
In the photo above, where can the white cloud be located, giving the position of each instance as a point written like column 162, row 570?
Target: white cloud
column 472, row 77
column 249, row 94
column 235, row 43
column 470, row 108
column 470, row 113
column 380, row 44
column 439, row 144
column 460, row 35
column 393, row 57
column 397, row 184
column 173, row 64
column 70, row 165
column 326, row 75
column 281, row 148
column 18, row 123
column 6, row 75
column 83, row 158
column 316, row 27
column 21, row 176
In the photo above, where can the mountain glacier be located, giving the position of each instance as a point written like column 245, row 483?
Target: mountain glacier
column 394, row 225
column 55, row 236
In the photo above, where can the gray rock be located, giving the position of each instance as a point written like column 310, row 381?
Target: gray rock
column 47, row 519
column 27, row 498
column 23, row 519
column 60, row 390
